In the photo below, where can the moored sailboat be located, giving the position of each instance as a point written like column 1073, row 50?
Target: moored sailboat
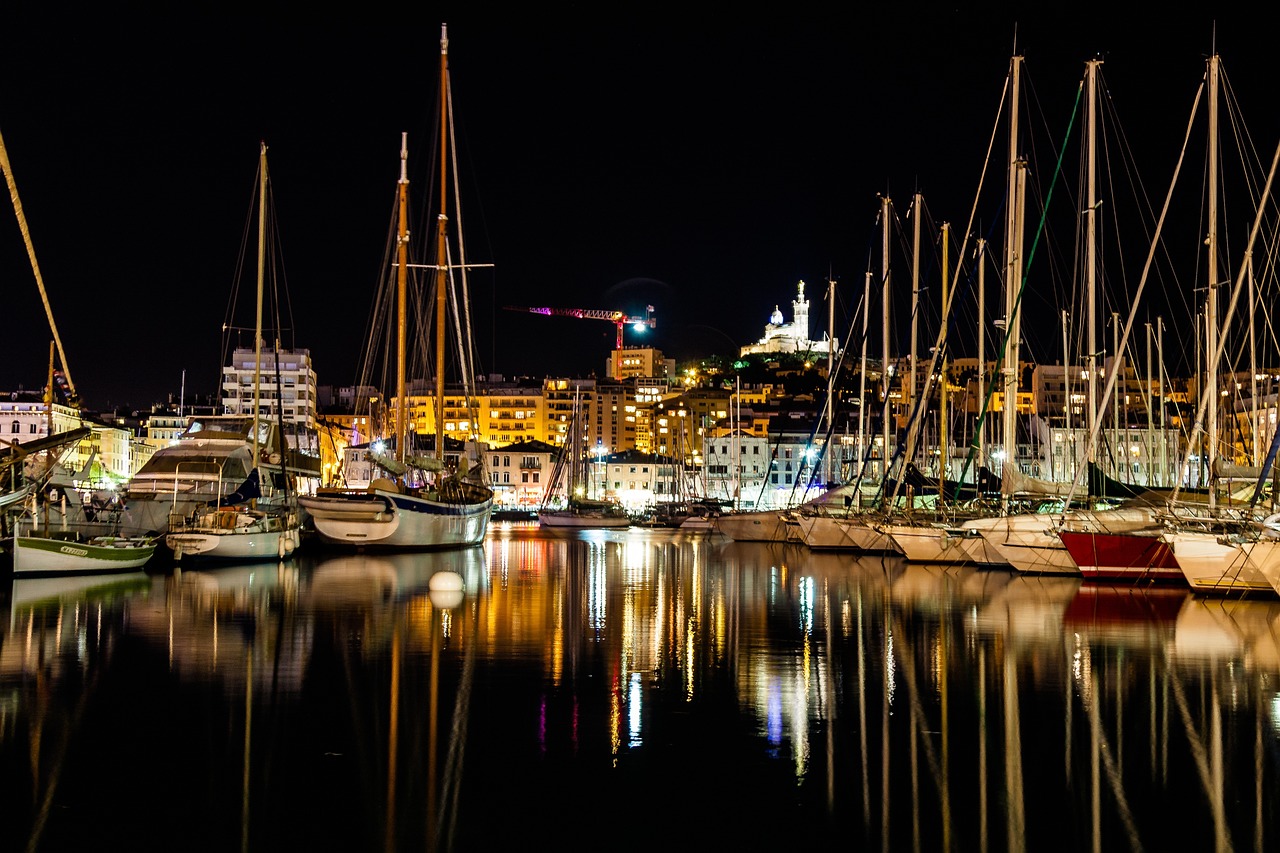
column 418, row 504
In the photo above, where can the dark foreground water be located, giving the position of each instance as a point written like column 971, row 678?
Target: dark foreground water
column 634, row 690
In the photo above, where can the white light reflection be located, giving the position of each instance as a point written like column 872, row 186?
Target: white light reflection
column 597, row 588
column 1082, row 671
column 773, row 713
column 1275, row 713
column 806, row 605
column 890, row 671
column 634, row 697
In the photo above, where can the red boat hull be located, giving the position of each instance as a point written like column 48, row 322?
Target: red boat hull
column 1122, row 556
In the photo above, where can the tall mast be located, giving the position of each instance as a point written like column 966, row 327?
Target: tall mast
column 915, row 300
column 402, row 278
column 1165, row 479
column 862, row 376
column 884, row 336
column 831, row 379
column 982, row 355
column 442, row 240
column 943, row 455
column 909, row 384
column 1211, row 317
column 257, row 323
column 1013, row 278
column 1091, row 258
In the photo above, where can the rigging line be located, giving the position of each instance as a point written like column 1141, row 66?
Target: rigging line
column 1022, row 287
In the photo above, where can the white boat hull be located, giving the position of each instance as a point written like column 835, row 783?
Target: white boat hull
column 1213, row 564
column 759, row 526
column 583, row 521
column 384, row 519
column 922, row 543
column 845, row 533
column 1029, row 543
column 229, row 545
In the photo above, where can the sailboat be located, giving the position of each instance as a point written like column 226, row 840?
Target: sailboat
column 579, row 511
column 238, row 526
column 418, row 504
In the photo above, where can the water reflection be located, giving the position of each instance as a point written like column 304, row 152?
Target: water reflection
column 634, row 689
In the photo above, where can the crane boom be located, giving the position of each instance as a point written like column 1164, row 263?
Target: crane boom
column 618, row 318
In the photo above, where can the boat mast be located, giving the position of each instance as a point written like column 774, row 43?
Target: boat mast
column 257, row 323
column 402, row 288
column 1013, row 282
column 862, row 379
column 915, row 414
column 944, row 457
column 884, row 336
column 1091, row 259
column 982, row 356
column 1211, row 308
column 831, row 380
column 442, row 240
column 915, row 304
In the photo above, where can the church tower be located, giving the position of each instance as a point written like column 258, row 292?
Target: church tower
column 800, row 313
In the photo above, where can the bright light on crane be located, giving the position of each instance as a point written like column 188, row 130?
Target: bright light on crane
column 618, row 318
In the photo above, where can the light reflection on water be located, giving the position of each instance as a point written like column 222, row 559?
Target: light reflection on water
column 632, row 689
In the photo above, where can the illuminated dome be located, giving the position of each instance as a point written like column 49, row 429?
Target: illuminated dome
column 776, row 317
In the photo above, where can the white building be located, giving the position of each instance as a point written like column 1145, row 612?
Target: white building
column 737, row 469
column 520, row 473
column 781, row 336
column 296, row 385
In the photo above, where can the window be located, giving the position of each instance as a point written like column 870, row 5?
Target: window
column 535, row 476
column 17, row 427
column 506, row 477
column 32, row 430
column 524, row 476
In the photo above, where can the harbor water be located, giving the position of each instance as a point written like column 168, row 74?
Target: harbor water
column 637, row 690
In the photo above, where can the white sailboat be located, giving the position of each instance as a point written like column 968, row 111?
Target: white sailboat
column 579, row 511
column 418, row 504
column 226, row 531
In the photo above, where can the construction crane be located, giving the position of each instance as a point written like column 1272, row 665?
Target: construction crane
column 618, row 318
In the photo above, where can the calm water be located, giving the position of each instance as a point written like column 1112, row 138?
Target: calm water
column 634, row 690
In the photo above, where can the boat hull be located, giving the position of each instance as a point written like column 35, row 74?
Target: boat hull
column 216, row 545
column 846, row 533
column 41, row 555
column 385, row 519
column 583, row 521
column 922, row 543
column 1132, row 556
column 759, row 526
column 1214, row 564
column 1028, row 543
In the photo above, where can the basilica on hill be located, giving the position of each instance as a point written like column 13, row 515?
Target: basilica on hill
column 781, row 336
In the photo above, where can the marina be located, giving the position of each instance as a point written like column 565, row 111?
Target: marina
column 628, row 688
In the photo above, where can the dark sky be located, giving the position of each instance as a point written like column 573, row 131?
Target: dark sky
column 616, row 160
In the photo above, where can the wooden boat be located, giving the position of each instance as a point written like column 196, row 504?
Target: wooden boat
column 47, row 554
column 419, row 504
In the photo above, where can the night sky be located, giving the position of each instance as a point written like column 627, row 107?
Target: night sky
column 614, row 160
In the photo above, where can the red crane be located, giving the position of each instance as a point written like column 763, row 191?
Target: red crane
column 618, row 318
